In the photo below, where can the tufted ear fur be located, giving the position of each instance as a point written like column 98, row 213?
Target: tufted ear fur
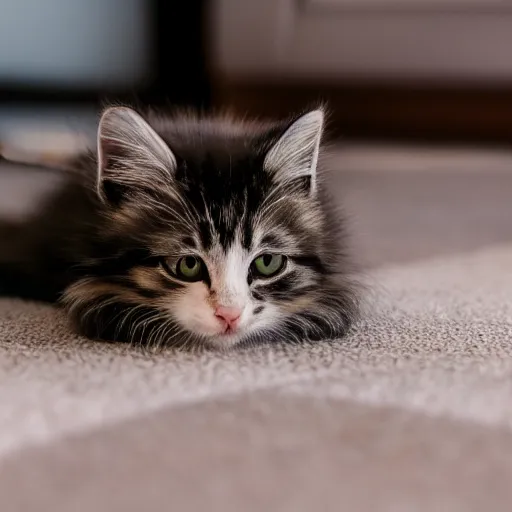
column 130, row 154
column 295, row 154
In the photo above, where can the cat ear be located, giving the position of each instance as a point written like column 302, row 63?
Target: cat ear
column 295, row 154
column 130, row 154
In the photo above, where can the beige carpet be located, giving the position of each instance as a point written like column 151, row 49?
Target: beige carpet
column 411, row 412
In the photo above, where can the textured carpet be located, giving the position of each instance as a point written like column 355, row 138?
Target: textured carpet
column 410, row 412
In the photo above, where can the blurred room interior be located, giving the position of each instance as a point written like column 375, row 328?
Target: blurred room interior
column 415, row 70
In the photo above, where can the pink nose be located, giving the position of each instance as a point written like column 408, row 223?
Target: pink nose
column 228, row 314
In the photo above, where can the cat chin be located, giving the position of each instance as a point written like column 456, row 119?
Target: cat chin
column 221, row 339
column 231, row 339
column 224, row 341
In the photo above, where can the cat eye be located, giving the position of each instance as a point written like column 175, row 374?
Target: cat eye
column 268, row 265
column 187, row 268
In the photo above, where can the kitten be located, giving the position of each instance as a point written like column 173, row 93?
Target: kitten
column 188, row 231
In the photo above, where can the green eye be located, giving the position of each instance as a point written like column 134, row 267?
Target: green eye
column 267, row 265
column 189, row 268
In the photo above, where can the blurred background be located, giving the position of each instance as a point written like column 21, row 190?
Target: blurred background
column 419, row 92
column 423, row 70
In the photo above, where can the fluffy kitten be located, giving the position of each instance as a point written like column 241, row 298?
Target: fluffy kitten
column 189, row 230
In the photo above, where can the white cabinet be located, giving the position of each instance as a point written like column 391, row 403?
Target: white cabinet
column 404, row 39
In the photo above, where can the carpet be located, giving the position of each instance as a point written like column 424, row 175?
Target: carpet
column 411, row 411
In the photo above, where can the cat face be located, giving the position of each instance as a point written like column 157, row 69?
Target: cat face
column 245, row 260
column 234, row 290
column 225, row 229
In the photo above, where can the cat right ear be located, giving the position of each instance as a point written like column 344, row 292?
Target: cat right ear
column 131, row 154
column 295, row 155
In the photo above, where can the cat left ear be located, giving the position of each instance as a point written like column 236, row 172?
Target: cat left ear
column 130, row 154
column 295, row 154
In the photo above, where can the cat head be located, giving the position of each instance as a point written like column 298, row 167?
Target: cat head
column 218, row 228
